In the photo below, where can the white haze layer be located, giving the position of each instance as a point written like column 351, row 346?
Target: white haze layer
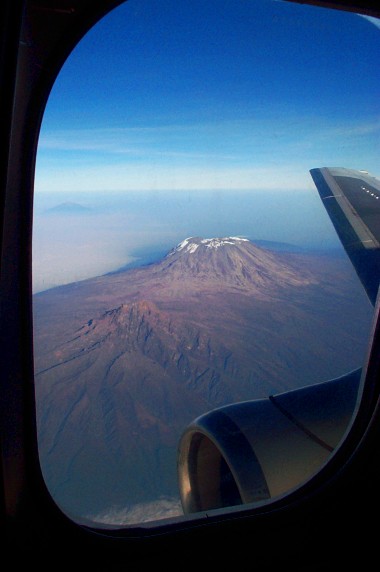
column 97, row 234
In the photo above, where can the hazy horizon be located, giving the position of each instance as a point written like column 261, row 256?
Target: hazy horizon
column 103, row 235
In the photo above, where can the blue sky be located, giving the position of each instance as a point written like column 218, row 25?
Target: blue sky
column 195, row 94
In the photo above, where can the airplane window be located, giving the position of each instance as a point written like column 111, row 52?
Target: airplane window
column 201, row 296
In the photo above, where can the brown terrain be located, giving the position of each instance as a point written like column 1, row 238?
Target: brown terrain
column 125, row 361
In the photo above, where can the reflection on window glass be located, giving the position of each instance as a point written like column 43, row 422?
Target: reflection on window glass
column 182, row 257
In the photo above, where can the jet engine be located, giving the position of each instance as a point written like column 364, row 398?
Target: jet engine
column 256, row 450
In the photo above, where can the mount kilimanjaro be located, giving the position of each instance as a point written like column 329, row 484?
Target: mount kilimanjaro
column 123, row 362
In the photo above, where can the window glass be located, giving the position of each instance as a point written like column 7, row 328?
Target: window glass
column 183, row 259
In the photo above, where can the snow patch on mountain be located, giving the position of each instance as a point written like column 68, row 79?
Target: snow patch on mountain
column 191, row 244
column 217, row 242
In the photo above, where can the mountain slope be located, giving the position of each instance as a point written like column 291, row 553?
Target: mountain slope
column 125, row 361
column 230, row 262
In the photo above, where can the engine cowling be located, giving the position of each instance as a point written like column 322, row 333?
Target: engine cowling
column 256, row 450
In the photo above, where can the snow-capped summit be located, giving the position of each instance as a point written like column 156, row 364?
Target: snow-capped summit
column 191, row 243
column 230, row 260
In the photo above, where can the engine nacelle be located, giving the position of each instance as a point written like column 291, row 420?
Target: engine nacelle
column 256, row 450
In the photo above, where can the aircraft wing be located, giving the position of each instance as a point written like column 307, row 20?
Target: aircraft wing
column 352, row 201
